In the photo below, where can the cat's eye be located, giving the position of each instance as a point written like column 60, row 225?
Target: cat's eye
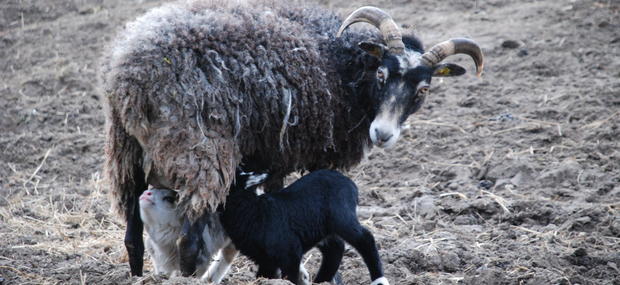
column 169, row 199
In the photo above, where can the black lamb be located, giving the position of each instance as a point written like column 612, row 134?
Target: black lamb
column 276, row 229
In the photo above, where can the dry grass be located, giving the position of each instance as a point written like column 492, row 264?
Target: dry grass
column 551, row 113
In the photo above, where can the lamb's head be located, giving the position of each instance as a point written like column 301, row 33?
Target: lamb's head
column 402, row 71
column 158, row 207
column 249, row 181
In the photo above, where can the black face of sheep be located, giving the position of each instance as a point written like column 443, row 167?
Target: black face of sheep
column 403, row 71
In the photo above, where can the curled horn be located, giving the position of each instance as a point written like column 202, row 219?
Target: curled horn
column 455, row 46
column 380, row 19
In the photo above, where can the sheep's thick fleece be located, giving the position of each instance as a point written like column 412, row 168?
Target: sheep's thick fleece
column 193, row 89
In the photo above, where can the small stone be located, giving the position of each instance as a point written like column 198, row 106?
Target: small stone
column 580, row 252
column 603, row 24
column 450, row 261
column 505, row 117
column 485, row 184
column 511, row 44
column 522, row 52
column 425, row 206
column 464, row 220
column 467, row 102
column 87, row 11
column 429, row 226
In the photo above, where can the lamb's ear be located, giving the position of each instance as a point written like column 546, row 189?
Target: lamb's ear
column 256, row 179
column 374, row 49
column 448, row 69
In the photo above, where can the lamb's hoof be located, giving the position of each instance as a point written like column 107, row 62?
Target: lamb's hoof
column 380, row 281
column 304, row 277
column 337, row 280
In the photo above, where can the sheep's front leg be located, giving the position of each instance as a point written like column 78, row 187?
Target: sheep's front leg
column 189, row 245
column 221, row 265
column 133, row 235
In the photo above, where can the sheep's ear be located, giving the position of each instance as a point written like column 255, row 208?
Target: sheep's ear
column 448, row 69
column 374, row 49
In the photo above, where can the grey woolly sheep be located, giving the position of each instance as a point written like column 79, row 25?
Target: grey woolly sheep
column 195, row 88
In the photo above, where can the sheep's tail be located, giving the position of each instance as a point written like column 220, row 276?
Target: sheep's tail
column 123, row 164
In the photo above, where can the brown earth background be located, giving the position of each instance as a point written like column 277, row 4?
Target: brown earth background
column 509, row 179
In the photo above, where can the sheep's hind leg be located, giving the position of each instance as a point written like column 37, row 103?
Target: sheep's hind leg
column 332, row 249
column 133, row 235
column 189, row 245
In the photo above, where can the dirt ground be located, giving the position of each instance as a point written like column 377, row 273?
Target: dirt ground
column 509, row 179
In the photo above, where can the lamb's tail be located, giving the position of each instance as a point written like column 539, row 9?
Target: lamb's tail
column 123, row 164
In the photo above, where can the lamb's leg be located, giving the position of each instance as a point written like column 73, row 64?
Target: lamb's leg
column 268, row 271
column 189, row 246
column 291, row 270
column 133, row 235
column 332, row 249
column 364, row 242
column 221, row 265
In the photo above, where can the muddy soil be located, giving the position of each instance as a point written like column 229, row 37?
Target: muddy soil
column 509, row 179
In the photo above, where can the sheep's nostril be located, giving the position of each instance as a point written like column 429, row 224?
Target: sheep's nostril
column 382, row 136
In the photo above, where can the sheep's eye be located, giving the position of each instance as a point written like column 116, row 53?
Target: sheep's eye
column 380, row 75
column 423, row 89
column 169, row 199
